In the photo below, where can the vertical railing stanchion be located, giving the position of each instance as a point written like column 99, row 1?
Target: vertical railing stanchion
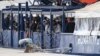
column 30, row 19
column 63, row 20
column 2, row 27
column 51, row 29
column 42, row 33
column 11, row 27
column 19, row 9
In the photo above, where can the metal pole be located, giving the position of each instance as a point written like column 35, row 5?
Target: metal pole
column 3, row 21
column 26, row 9
column 22, row 24
column 21, row 27
column 63, row 20
column 11, row 28
column 51, row 28
column 31, row 32
column 3, row 26
column 42, row 37
column 19, row 9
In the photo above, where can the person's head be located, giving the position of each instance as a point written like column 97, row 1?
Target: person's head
column 70, row 19
column 70, row 45
column 8, row 17
column 37, row 15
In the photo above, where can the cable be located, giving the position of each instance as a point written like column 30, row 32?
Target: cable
column 30, row 2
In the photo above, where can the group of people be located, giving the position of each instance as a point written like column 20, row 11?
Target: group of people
column 34, row 24
column 70, row 2
column 60, row 2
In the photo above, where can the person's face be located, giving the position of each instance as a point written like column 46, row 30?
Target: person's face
column 68, row 19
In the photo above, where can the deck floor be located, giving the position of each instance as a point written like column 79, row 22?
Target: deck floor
column 20, row 52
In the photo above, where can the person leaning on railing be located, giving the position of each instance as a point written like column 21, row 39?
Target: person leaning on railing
column 7, row 23
column 70, row 25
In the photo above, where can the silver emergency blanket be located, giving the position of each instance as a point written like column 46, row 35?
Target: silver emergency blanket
column 87, row 35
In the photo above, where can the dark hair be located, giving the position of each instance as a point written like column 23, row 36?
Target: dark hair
column 70, row 45
column 72, row 19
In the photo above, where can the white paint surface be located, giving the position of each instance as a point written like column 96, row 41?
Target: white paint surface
column 17, row 52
